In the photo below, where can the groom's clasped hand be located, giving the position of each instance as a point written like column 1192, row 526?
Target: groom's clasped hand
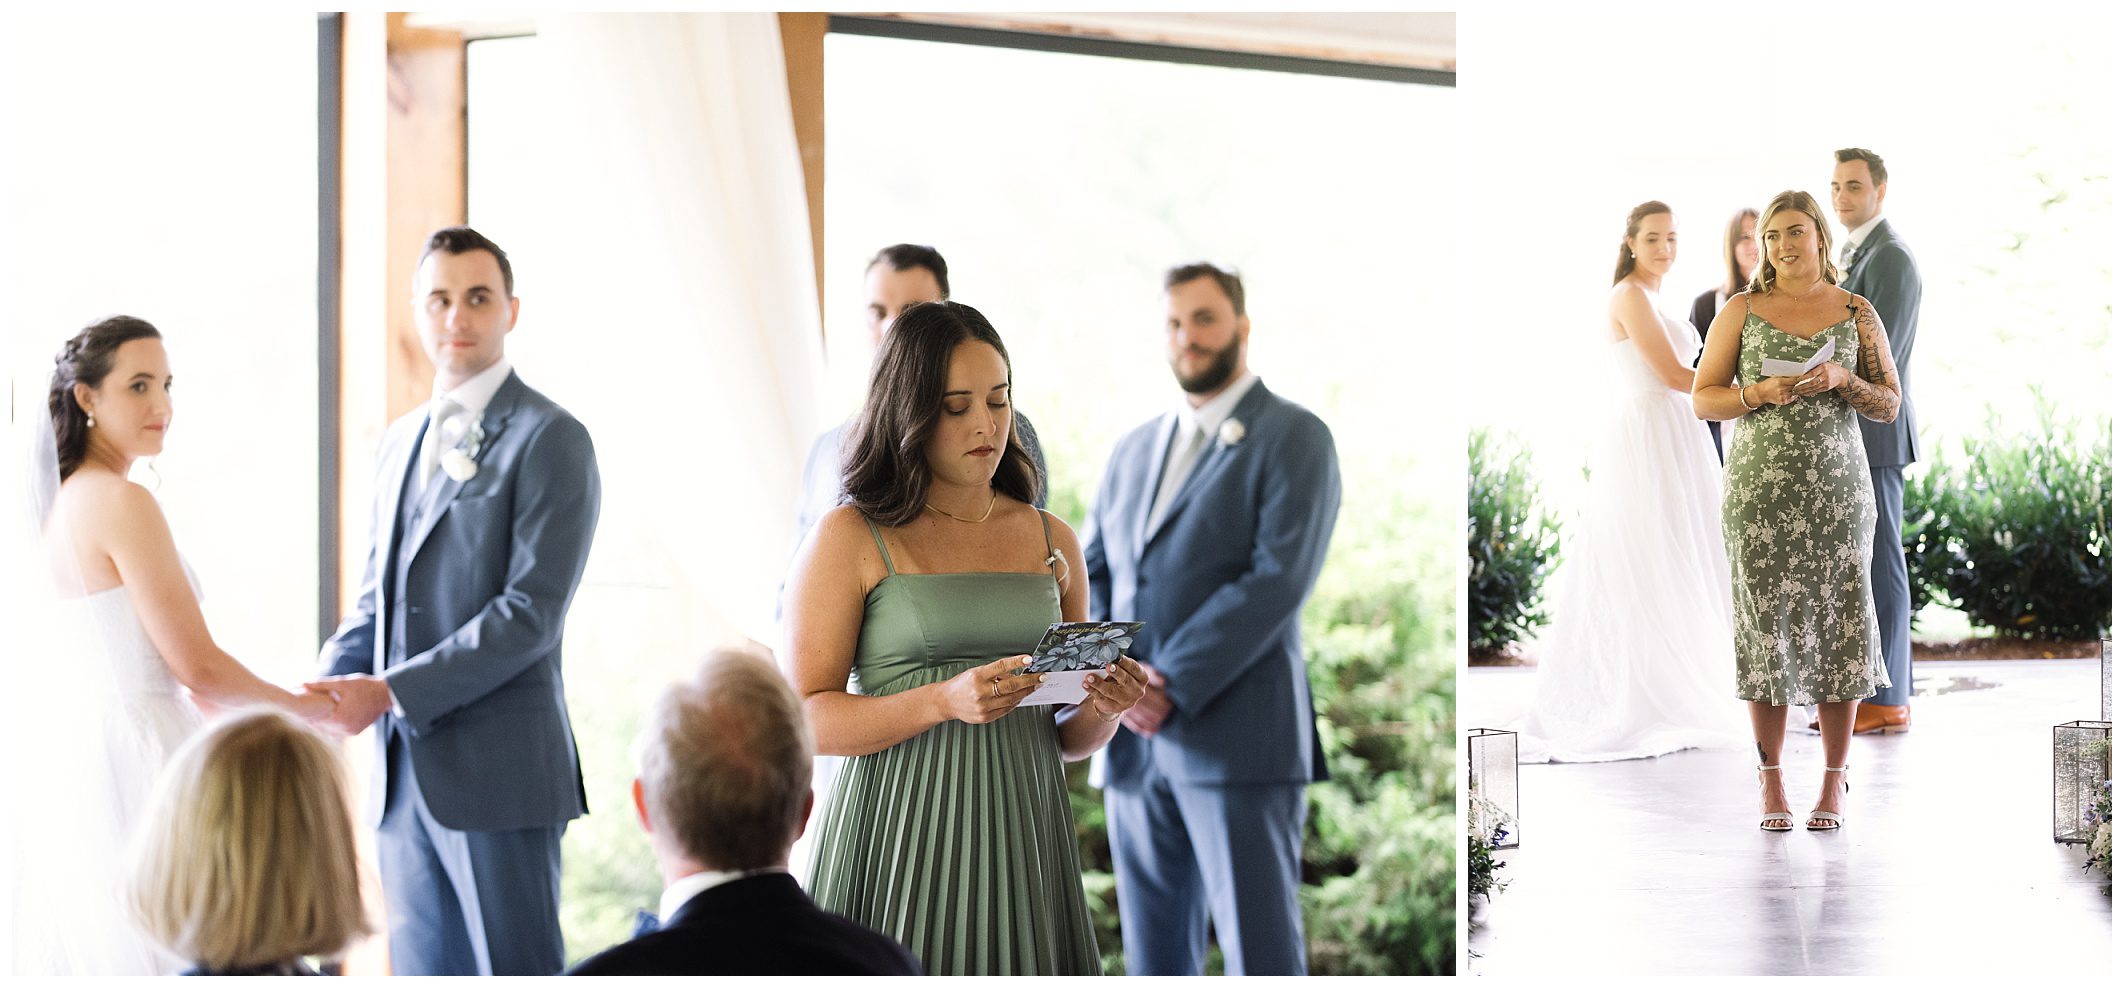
column 357, row 701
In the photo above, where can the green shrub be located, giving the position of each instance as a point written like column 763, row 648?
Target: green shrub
column 2016, row 532
column 1513, row 543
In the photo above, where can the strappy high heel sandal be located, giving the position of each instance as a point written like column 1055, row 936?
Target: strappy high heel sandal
column 1770, row 818
column 1836, row 820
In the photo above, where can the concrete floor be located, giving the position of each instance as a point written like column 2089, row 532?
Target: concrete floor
column 1945, row 865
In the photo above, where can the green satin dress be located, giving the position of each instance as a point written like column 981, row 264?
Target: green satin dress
column 957, row 842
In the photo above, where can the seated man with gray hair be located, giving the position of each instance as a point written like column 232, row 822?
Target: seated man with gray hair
column 724, row 789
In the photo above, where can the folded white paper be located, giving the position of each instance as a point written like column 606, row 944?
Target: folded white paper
column 1794, row 368
column 1063, row 687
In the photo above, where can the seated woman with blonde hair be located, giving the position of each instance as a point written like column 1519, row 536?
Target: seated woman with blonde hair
column 244, row 863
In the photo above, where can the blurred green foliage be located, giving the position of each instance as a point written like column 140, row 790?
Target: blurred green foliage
column 2015, row 532
column 1514, row 543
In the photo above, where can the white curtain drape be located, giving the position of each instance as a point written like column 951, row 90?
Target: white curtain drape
column 685, row 285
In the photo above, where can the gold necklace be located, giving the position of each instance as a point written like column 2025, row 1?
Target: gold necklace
column 971, row 521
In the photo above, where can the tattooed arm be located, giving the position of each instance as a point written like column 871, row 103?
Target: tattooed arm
column 1875, row 390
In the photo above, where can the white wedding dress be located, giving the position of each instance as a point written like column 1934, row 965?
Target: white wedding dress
column 1639, row 659
column 113, row 715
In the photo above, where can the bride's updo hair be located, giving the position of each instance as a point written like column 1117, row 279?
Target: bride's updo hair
column 1765, row 272
column 86, row 359
column 1625, row 258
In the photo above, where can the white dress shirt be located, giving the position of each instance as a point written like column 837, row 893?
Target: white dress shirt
column 473, row 397
column 1857, row 237
column 1189, row 423
column 680, row 892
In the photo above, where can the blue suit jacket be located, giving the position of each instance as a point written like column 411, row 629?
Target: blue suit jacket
column 1220, row 584
column 1884, row 274
column 486, row 591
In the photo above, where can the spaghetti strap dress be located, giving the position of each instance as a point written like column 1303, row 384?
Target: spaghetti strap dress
column 959, row 841
column 1798, row 519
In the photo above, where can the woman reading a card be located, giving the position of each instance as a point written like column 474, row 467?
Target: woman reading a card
column 1797, row 359
column 911, row 608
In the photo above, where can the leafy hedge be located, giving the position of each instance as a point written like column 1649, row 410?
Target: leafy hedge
column 2016, row 532
column 1514, row 542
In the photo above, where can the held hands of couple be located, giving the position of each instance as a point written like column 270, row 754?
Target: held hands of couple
column 358, row 701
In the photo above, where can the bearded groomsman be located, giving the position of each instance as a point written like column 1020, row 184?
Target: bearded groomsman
column 1877, row 266
column 1211, row 525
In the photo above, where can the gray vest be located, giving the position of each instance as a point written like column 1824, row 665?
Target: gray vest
column 410, row 500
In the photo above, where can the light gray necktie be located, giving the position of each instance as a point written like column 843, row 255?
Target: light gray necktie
column 445, row 428
column 1187, row 447
column 1843, row 263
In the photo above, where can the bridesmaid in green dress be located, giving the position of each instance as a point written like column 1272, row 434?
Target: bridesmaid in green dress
column 1799, row 510
column 911, row 608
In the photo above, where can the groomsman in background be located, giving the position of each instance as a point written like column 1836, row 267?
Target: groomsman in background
column 1210, row 525
column 486, row 500
column 897, row 277
column 1878, row 267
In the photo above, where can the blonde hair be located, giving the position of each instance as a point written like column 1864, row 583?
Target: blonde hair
column 1765, row 272
column 726, row 761
column 246, row 855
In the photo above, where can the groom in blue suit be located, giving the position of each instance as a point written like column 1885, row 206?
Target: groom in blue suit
column 486, row 500
column 1210, row 526
column 1880, row 268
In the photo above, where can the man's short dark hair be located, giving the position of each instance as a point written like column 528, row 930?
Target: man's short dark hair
column 454, row 240
column 904, row 256
column 1228, row 281
column 1874, row 165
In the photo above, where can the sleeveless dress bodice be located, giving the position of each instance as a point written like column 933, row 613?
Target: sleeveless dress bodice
column 958, row 842
column 136, row 668
column 1633, row 375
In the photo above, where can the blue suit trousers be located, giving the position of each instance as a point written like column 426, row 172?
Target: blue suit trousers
column 475, row 902
column 1186, row 855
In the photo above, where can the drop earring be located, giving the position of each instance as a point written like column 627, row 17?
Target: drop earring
column 92, row 419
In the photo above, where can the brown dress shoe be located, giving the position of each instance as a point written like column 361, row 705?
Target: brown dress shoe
column 1881, row 719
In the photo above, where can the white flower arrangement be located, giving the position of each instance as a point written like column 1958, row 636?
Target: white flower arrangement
column 1231, row 432
column 461, row 461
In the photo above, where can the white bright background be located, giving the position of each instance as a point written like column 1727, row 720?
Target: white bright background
column 1060, row 187
column 164, row 165
column 1982, row 119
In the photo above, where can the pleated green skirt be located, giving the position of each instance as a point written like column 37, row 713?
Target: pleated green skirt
column 957, row 842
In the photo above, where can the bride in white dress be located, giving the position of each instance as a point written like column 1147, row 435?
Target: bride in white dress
column 115, row 657
column 1639, row 659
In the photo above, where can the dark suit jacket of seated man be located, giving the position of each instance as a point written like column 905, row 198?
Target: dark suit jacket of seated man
column 759, row 924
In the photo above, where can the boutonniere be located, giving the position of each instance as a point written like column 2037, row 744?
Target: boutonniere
column 461, row 461
column 1231, row 432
